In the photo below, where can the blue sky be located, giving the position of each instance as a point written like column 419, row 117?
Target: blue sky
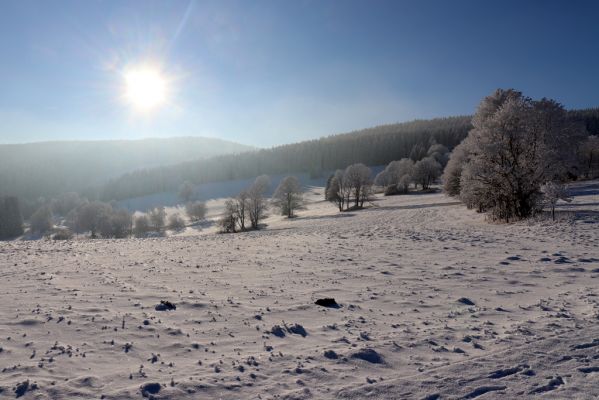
column 273, row 72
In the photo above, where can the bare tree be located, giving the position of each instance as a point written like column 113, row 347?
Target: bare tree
column 554, row 192
column 289, row 196
column 257, row 204
column 196, row 210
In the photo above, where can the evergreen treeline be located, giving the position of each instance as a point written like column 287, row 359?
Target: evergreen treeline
column 373, row 146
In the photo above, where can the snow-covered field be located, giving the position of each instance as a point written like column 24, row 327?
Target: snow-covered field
column 435, row 303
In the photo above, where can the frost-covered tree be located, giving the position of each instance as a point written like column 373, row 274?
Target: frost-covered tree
column 90, row 216
column 554, row 192
column 175, row 222
column 358, row 178
column 257, row 204
column 382, row 179
column 41, row 220
column 157, row 216
column 122, row 223
column 403, row 186
column 242, row 205
column 426, row 171
column 453, row 170
column 338, row 192
column 115, row 223
column 439, row 152
column 195, row 210
column 228, row 220
column 516, row 145
column 141, row 225
column 288, row 196
column 418, row 152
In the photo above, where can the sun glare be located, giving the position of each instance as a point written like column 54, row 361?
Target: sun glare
column 145, row 88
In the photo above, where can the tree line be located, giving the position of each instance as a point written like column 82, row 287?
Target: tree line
column 373, row 146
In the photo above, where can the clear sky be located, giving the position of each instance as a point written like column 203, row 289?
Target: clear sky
column 272, row 72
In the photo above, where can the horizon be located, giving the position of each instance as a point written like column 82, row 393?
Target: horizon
column 269, row 73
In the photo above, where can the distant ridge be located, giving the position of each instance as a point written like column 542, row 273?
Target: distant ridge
column 31, row 170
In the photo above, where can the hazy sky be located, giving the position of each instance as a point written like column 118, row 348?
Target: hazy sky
column 271, row 72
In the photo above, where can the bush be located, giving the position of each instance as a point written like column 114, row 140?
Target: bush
column 195, row 210
column 175, row 222
column 62, row 234
column 141, row 225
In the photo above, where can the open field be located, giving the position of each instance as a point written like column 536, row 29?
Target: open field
column 435, row 303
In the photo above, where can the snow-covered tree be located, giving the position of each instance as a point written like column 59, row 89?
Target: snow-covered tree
column 453, row 170
column 439, row 152
column 175, row 222
column 157, row 216
column 554, row 192
column 338, row 192
column 41, row 220
column 141, row 225
column 228, row 221
column 426, row 171
column 195, row 210
column 257, row 204
column 242, row 205
column 358, row 177
column 288, row 196
column 515, row 145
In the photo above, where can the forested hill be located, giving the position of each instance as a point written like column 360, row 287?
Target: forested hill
column 45, row 169
column 372, row 146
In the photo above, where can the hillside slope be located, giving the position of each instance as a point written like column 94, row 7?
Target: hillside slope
column 47, row 168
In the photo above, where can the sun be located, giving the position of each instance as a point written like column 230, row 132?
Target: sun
column 146, row 88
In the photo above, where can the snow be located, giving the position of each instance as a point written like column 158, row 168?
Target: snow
column 78, row 318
